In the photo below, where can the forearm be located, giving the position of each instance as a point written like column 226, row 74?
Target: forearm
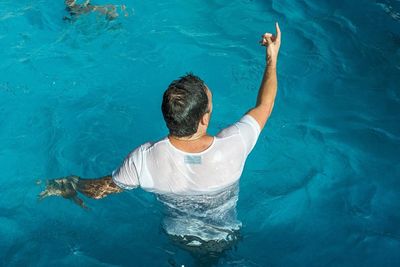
column 268, row 88
column 266, row 96
column 97, row 188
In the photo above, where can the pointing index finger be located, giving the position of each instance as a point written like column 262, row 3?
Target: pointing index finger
column 278, row 32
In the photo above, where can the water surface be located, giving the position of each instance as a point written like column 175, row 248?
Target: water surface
column 321, row 187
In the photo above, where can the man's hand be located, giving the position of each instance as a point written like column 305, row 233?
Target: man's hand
column 65, row 187
column 273, row 43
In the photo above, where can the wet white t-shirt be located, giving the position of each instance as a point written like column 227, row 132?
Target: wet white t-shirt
column 162, row 168
column 199, row 191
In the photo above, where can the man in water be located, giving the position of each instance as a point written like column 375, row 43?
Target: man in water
column 194, row 175
column 110, row 11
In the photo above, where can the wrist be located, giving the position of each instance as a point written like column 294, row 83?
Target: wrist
column 74, row 181
column 271, row 65
column 271, row 62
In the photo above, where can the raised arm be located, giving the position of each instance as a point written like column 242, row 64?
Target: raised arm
column 269, row 84
column 68, row 187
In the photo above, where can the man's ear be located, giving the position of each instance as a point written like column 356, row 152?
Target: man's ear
column 205, row 119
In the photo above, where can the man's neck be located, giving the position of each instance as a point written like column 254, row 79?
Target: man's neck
column 185, row 138
column 194, row 144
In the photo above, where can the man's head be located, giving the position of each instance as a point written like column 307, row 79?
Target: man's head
column 186, row 105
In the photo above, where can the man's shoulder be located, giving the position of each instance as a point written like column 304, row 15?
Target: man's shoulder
column 231, row 130
column 150, row 145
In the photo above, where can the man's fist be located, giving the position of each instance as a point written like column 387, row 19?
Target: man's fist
column 273, row 43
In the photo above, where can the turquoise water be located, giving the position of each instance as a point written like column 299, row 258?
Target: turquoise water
column 322, row 186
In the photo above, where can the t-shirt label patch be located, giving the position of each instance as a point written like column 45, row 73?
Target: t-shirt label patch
column 192, row 159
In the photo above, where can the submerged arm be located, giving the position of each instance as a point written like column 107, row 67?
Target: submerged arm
column 68, row 187
column 98, row 188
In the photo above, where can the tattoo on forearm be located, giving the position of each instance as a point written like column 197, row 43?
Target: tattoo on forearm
column 98, row 188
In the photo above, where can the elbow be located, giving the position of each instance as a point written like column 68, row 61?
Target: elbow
column 270, row 109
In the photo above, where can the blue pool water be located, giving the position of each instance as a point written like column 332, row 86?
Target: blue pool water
column 322, row 186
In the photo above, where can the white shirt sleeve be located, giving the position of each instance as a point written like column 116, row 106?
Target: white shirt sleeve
column 127, row 175
column 249, row 130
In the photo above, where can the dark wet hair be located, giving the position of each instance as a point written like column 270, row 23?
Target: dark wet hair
column 184, row 103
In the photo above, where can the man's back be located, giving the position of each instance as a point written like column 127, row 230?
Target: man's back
column 199, row 191
column 162, row 168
